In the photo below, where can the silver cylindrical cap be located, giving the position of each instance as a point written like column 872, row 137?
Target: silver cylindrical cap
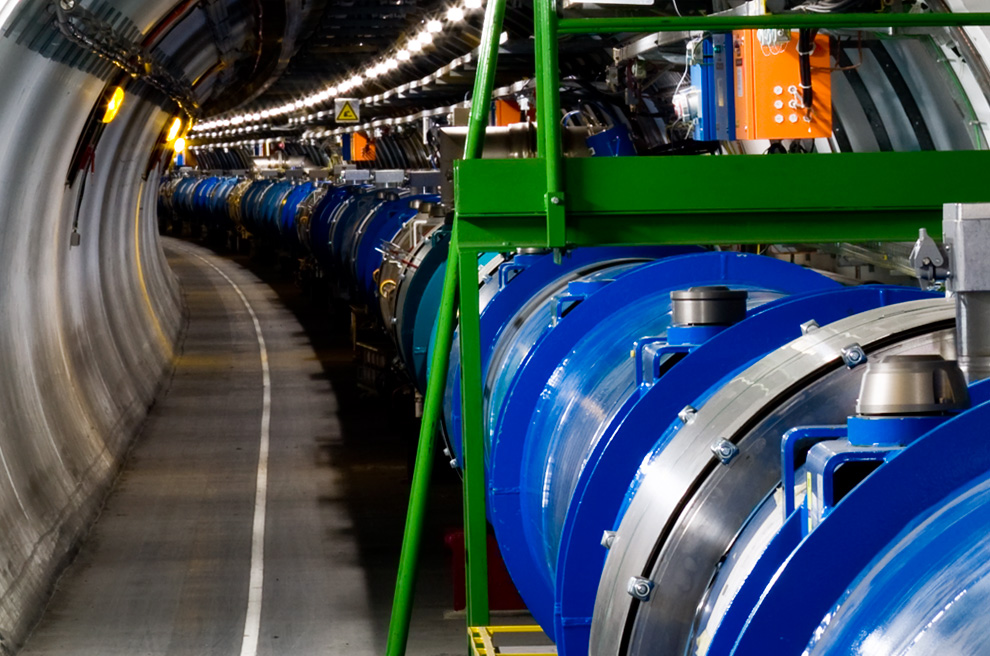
column 912, row 385
column 708, row 306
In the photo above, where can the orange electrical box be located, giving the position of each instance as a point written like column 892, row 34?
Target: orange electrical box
column 506, row 113
column 362, row 148
column 769, row 99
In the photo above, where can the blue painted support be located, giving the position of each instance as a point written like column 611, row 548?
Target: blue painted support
column 908, row 488
column 570, row 373
column 794, row 448
column 525, row 278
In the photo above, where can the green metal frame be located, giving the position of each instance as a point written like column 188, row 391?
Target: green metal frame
column 555, row 202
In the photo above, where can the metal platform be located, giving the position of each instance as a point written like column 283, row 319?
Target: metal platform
column 512, row 639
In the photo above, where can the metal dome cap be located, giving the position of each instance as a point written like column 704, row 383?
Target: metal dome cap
column 912, row 385
column 714, row 305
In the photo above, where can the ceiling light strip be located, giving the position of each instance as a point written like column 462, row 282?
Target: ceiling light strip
column 412, row 45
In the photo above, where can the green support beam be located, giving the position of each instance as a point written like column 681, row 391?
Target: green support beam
column 474, row 508
column 780, row 21
column 727, row 199
column 484, row 80
column 472, row 423
column 405, row 584
column 548, row 104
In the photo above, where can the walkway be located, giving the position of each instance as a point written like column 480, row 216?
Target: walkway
column 169, row 566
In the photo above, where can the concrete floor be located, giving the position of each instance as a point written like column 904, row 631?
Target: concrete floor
column 166, row 568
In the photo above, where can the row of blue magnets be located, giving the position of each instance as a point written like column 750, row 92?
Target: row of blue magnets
column 584, row 379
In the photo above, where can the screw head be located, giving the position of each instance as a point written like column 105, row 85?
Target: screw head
column 687, row 414
column 725, row 451
column 453, row 463
column 608, row 539
column 555, row 200
column 640, row 588
column 853, row 355
column 67, row 5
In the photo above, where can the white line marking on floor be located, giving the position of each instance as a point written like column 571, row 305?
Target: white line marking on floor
column 252, row 621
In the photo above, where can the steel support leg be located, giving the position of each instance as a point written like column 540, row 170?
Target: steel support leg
column 405, row 584
column 472, row 422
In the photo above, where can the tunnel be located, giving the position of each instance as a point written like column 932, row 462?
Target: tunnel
column 246, row 394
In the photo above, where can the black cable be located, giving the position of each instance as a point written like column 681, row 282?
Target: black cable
column 806, row 46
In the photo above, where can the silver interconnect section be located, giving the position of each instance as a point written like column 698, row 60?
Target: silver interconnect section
column 686, row 514
column 966, row 234
column 392, row 177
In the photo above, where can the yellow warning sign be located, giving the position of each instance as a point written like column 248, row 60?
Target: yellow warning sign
column 347, row 110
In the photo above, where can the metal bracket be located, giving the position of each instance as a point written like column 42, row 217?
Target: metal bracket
column 608, row 539
column 929, row 260
column 809, row 327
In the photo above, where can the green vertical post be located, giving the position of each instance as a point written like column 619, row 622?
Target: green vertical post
column 405, row 583
column 484, row 80
column 541, row 146
column 548, row 116
column 472, row 422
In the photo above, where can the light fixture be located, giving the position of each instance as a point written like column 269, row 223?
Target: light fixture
column 113, row 106
column 416, row 44
column 173, row 131
column 179, row 145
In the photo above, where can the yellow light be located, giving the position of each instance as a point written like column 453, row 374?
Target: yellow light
column 180, row 145
column 114, row 105
column 173, row 131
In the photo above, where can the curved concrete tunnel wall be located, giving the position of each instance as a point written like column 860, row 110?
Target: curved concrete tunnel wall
column 87, row 333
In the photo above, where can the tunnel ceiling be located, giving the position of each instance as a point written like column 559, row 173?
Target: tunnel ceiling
column 348, row 35
column 345, row 37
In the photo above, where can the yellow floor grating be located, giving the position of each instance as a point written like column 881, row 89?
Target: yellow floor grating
column 492, row 640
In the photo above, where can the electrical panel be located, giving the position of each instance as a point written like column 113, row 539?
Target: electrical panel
column 710, row 60
column 769, row 96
